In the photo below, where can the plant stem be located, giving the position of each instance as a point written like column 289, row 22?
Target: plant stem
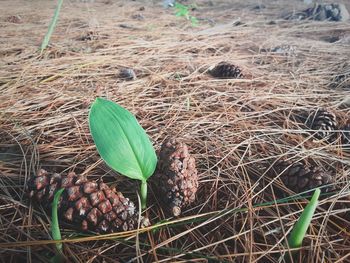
column 143, row 194
column 55, row 228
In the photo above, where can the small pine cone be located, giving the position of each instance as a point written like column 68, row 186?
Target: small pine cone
column 177, row 176
column 226, row 70
column 324, row 122
column 127, row 74
column 87, row 204
column 300, row 177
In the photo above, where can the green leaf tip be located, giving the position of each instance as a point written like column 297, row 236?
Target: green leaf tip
column 121, row 141
column 300, row 228
column 98, row 99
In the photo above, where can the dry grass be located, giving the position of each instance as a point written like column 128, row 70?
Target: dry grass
column 234, row 127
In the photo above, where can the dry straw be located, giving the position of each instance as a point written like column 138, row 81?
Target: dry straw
column 233, row 127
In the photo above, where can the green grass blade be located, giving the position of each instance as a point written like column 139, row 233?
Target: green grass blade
column 52, row 25
column 55, row 228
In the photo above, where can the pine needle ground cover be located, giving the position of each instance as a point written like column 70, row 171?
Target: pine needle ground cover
column 252, row 137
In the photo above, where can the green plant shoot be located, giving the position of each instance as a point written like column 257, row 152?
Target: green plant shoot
column 52, row 25
column 55, row 228
column 183, row 11
column 297, row 235
column 122, row 143
column 194, row 21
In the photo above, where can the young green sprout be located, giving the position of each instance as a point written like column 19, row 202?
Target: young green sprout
column 297, row 235
column 122, row 143
column 55, row 228
column 183, row 11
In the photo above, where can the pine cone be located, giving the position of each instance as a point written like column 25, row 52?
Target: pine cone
column 226, row 70
column 324, row 122
column 177, row 176
column 127, row 74
column 87, row 204
column 300, row 177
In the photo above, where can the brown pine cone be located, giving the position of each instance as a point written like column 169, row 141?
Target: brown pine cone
column 226, row 70
column 87, row 204
column 127, row 74
column 324, row 123
column 177, row 176
column 300, row 177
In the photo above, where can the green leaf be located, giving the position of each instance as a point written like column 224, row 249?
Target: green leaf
column 297, row 235
column 181, row 10
column 181, row 13
column 194, row 21
column 55, row 228
column 121, row 141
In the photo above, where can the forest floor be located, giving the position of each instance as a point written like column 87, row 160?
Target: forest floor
column 233, row 127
